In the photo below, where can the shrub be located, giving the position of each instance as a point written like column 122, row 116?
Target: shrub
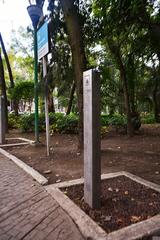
column 147, row 118
column 105, row 120
column 58, row 123
column 13, row 121
column 27, row 123
column 65, row 123
column 118, row 120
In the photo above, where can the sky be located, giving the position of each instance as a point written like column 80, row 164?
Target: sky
column 13, row 14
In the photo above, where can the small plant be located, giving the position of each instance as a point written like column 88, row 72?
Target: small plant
column 147, row 118
column 65, row 124
column 14, row 121
column 118, row 120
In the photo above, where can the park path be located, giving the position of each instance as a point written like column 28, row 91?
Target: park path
column 27, row 211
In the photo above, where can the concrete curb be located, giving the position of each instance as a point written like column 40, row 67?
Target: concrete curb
column 86, row 225
column 91, row 229
column 26, row 142
column 36, row 175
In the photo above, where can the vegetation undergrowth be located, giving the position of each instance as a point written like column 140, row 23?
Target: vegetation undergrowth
column 61, row 123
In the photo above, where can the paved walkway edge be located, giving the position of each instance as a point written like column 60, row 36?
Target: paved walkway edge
column 36, row 175
column 89, row 228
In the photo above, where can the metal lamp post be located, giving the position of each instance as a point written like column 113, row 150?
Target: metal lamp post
column 35, row 12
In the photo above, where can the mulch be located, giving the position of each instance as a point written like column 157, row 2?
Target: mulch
column 123, row 202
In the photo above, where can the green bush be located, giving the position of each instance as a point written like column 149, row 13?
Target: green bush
column 120, row 121
column 105, row 120
column 59, row 123
column 62, row 123
column 147, row 118
column 27, row 123
column 13, row 121
column 65, row 124
column 117, row 120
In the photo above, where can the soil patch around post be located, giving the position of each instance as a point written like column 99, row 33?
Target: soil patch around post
column 123, row 202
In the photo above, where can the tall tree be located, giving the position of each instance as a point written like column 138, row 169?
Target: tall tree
column 7, row 62
column 3, row 90
column 74, row 27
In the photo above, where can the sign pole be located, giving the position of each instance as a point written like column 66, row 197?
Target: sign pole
column 92, row 163
column 35, row 88
column 43, row 49
column 46, row 105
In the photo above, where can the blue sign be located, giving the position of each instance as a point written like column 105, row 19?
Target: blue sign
column 42, row 41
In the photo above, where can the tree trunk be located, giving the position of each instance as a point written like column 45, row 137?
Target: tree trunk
column 155, row 103
column 7, row 62
column 78, row 54
column 15, row 104
column 126, row 97
column 116, row 52
column 3, row 91
column 71, row 99
column 51, row 107
column 155, row 93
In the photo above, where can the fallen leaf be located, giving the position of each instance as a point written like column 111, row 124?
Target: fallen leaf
column 110, row 189
column 151, row 204
column 107, row 218
column 154, row 194
column 114, row 200
column 47, row 172
column 135, row 219
column 126, row 192
column 119, row 221
column 58, row 180
column 117, row 189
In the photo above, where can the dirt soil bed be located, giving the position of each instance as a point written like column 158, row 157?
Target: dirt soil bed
column 139, row 155
column 14, row 141
column 123, row 202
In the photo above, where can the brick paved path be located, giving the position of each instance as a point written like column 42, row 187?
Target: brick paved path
column 27, row 211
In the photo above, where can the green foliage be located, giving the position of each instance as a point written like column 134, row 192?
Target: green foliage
column 27, row 123
column 14, row 121
column 22, row 90
column 147, row 118
column 66, row 124
column 59, row 123
column 118, row 120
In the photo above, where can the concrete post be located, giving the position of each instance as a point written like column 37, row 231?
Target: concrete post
column 92, row 163
column 46, row 106
column 2, row 120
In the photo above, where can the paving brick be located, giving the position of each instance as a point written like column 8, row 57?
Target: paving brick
column 27, row 211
